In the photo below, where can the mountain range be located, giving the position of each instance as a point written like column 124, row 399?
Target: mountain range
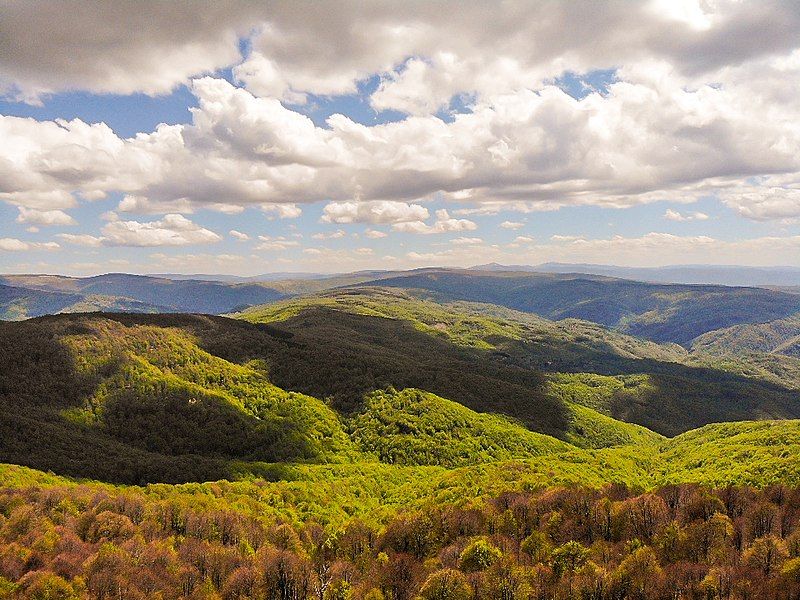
column 385, row 425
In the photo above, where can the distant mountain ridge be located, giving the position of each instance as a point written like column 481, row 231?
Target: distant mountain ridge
column 661, row 312
column 35, row 295
column 688, row 274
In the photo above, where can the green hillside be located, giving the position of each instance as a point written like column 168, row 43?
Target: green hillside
column 137, row 398
column 752, row 453
column 660, row 312
column 781, row 336
column 92, row 396
column 174, row 398
column 413, row 427
column 472, row 353
column 746, row 453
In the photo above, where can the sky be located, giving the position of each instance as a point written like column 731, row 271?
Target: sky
column 247, row 138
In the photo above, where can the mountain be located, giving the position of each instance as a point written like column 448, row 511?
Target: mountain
column 369, row 442
column 372, row 374
column 134, row 293
column 689, row 274
column 781, row 336
column 277, row 276
column 20, row 303
column 659, row 312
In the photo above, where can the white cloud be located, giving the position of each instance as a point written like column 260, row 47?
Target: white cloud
column 282, row 211
column 152, row 46
column 512, row 225
column 44, row 217
column 145, row 47
column 376, row 212
column 696, row 108
column 201, row 263
column 375, row 234
column 333, row 235
column 443, row 224
column 172, row 230
column 523, row 239
column 649, row 138
column 275, row 243
column 16, row 245
column 765, row 202
column 84, row 239
column 466, row 241
column 238, row 235
column 674, row 215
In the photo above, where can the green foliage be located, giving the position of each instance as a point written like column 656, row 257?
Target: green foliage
column 660, row 312
column 479, row 556
column 413, row 427
column 570, row 557
column 137, row 403
column 447, row 584
column 754, row 453
column 374, row 337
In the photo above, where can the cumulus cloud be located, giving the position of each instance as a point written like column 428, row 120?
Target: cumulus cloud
column 644, row 140
column 16, row 245
column 375, row 234
column 512, row 225
column 331, row 235
column 282, row 211
column 44, row 217
column 466, row 241
column 172, row 230
column 275, row 243
column 238, row 235
column 764, row 203
column 193, row 263
column 82, row 239
column 674, row 215
column 146, row 46
column 375, row 212
column 444, row 223
column 701, row 101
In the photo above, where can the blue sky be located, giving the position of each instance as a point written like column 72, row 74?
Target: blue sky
column 288, row 142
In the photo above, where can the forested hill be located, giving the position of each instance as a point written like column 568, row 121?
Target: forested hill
column 185, row 397
column 660, row 312
column 34, row 295
column 370, row 443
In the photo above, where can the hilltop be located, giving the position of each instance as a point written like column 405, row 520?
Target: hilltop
column 369, row 375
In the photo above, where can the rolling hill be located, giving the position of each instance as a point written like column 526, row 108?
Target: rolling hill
column 374, row 337
column 781, row 336
column 371, row 443
column 37, row 295
column 659, row 312
column 729, row 275
column 140, row 398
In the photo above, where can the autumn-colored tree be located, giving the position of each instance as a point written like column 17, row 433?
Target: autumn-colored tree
column 447, row 584
column 479, row 556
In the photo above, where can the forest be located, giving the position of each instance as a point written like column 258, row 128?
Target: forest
column 374, row 442
column 678, row 541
